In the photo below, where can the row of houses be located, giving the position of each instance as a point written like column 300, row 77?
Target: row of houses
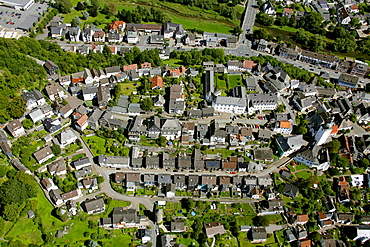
column 119, row 31
column 256, row 188
column 351, row 69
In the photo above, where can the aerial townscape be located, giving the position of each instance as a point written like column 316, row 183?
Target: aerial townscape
column 185, row 123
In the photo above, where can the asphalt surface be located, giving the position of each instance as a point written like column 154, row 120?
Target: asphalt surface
column 12, row 18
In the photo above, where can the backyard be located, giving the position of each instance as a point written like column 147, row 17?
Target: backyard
column 96, row 144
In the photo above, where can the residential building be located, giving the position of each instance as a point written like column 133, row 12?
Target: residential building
column 43, row 154
column 288, row 145
column 51, row 67
column 66, row 137
column 94, row 206
column 33, row 99
column 15, row 128
column 114, row 161
column 55, row 91
column 347, row 80
column 214, row 228
column 259, row 235
column 260, row 102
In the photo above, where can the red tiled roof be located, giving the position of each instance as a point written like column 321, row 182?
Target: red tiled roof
column 129, row 67
column 157, row 81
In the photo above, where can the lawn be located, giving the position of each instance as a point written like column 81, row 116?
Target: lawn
column 220, row 83
column 126, row 88
column 244, row 221
column 96, row 144
column 224, row 152
column 173, row 62
column 235, row 80
column 78, row 156
column 187, row 241
column 299, row 166
column 115, row 203
column 304, row 175
column 243, row 241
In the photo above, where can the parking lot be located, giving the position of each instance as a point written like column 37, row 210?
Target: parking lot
column 12, row 18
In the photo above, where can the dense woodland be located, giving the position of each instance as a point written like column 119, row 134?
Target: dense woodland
column 14, row 193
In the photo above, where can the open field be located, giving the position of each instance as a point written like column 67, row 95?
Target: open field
column 189, row 17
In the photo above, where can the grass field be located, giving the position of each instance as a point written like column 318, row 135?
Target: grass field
column 189, row 17
column 304, row 175
column 96, row 144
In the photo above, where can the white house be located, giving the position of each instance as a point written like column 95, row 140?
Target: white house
column 229, row 104
column 315, row 157
column 88, row 78
column 36, row 115
column 114, row 161
column 66, row 137
column 132, row 37
column 54, row 90
column 89, row 93
column 260, row 102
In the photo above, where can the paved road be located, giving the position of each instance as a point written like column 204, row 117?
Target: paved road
column 107, row 189
column 273, row 227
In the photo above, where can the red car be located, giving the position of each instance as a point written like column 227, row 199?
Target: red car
column 259, row 117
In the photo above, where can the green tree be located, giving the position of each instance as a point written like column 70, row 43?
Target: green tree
column 62, row 217
column 345, row 44
column 355, row 23
column 11, row 211
column 237, row 31
column 333, row 146
column 27, row 124
column 48, row 238
column 64, row 6
column 56, row 150
column 109, row 9
column 161, row 141
column 353, row 118
column 316, row 43
column 80, row 6
column 281, row 108
column 100, row 179
column 260, row 221
column 301, row 129
column 265, row 19
column 147, row 104
column 75, row 21
column 85, row 15
column 94, row 8
column 261, row 34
